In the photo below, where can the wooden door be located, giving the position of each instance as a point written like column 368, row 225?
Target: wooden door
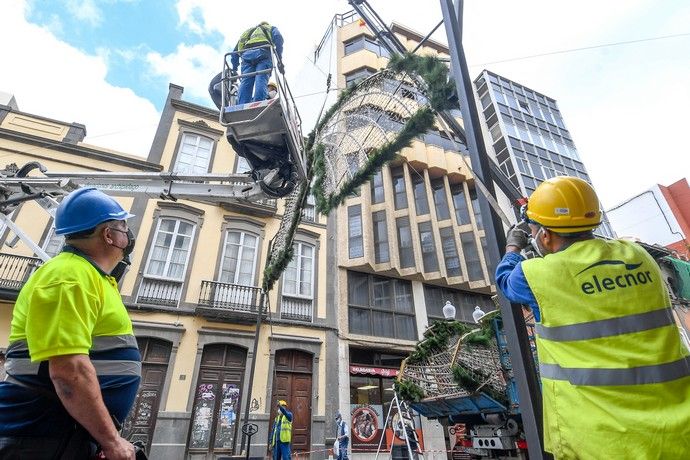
column 293, row 383
column 217, row 398
column 141, row 422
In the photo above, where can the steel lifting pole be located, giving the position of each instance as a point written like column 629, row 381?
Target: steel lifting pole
column 514, row 321
column 250, row 384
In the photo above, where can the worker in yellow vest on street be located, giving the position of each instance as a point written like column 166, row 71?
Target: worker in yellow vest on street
column 615, row 376
column 282, row 433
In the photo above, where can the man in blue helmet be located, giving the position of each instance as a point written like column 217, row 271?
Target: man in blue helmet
column 73, row 366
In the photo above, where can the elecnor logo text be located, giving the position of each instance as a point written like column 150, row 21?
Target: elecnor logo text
column 611, row 282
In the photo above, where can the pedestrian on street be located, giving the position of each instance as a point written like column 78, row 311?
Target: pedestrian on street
column 282, row 433
column 342, row 436
column 72, row 364
column 615, row 376
column 256, row 57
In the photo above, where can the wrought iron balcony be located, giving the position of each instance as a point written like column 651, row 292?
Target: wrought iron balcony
column 229, row 301
column 159, row 292
column 15, row 270
column 296, row 308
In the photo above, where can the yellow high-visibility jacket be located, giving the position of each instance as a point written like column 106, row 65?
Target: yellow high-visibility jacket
column 285, row 434
column 615, row 376
column 254, row 36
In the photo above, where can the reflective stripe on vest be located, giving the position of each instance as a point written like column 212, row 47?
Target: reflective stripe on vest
column 99, row 343
column 22, row 365
column 587, row 317
column 607, row 327
column 616, row 377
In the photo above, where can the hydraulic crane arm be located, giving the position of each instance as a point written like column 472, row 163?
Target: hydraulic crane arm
column 214, row 188
column 16, row 187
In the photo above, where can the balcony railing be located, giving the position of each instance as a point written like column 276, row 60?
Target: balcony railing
column 308, row 214
column 296, row 308
column 159, row 292
column 226, row 300
column 15, row 270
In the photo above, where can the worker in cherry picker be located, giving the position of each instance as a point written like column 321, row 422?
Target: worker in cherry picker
column 615, row 376
column 251, row 47
column 272, row 90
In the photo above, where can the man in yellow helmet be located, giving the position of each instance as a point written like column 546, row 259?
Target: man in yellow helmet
column 256, row 56
column 272, row 90
column 281, row 436
column 615, row 376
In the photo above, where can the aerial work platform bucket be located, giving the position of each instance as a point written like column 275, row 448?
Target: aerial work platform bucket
column 271, row 127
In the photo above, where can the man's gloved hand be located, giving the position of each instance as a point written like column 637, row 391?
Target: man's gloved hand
column 518, row 235
column 281, row 67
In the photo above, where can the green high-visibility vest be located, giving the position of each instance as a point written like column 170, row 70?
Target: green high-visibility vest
column 615, row 375
column 254, row 36
column 285, row 434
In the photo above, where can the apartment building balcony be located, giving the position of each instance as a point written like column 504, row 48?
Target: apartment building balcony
column 230, row 302
column 14, row 272
column 159, row 292
column 296, row 308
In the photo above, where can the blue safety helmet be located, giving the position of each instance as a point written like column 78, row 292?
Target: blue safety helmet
column 84, row 209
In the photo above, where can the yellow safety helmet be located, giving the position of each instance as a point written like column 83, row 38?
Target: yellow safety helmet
column 564, row 204
column 282, row 403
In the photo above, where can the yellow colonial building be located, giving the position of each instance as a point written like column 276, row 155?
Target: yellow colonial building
column 193, row 289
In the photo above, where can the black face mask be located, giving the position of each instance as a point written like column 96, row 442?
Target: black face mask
column 129, row 247
column 119, row 271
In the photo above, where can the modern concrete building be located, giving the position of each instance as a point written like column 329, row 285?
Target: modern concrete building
column 411, row 240
column 193, row 289
column 660, row 215
column 526, row 135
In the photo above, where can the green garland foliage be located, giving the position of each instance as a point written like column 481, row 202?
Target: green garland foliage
column 440, row 92
column 408, row 391
column 342, row 98
column 436, row 339
column 471, row 382
column 440, row 89
column 463, row 378
column 276, row 266
column 418, row 123
column 273, row 270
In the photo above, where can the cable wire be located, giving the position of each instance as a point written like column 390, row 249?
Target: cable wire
column 583, row 48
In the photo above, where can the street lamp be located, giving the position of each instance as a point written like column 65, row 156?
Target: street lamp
column 449, row 311
column 477, row 314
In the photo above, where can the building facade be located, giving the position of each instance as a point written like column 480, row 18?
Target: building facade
column 193, row 289
column 529, row 139
column 409, row 241
column 660, row 215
